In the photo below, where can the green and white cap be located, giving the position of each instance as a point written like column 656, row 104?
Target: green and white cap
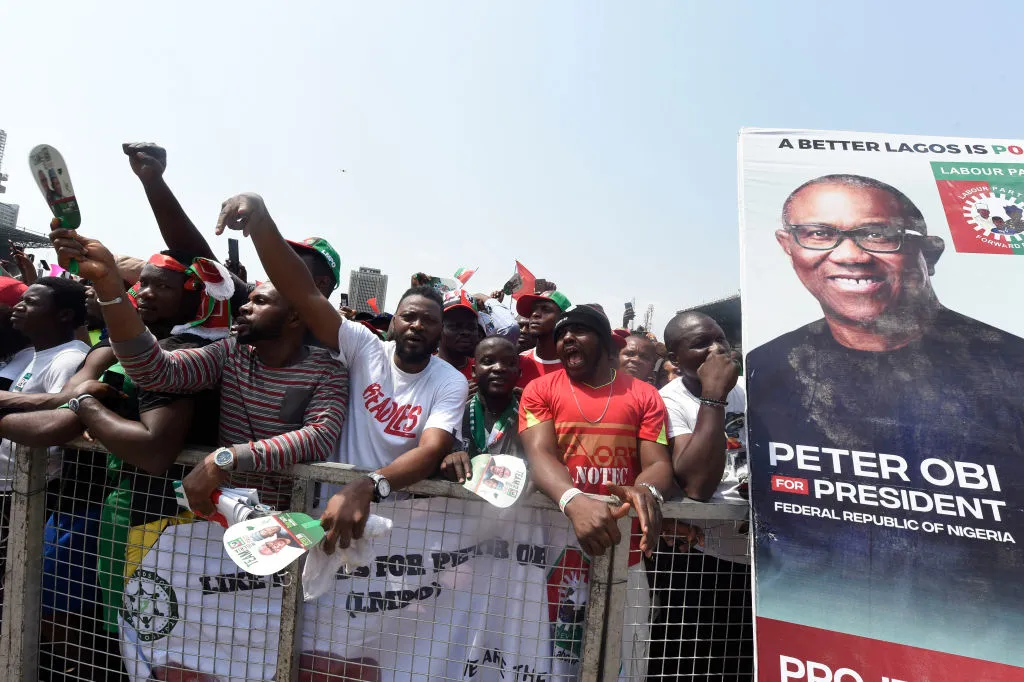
column 326, row 251
column 524, row 306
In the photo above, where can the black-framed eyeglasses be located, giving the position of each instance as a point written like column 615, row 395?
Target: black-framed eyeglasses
column 873, row 238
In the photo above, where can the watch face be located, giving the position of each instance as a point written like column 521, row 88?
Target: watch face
column 73, row 405
column 383, row 487
column 223, row 458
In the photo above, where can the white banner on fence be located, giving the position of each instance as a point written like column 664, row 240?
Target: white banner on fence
column 459, row 590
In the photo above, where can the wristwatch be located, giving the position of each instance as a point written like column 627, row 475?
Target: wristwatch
column 224, row 459
column 75, row 403
column 655, row 492
column 381, row 486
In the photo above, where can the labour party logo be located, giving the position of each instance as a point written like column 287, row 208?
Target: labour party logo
column 984, row 205
column 150, row 605
column 568, row 594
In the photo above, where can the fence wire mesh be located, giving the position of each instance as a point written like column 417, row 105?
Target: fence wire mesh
column 131, row 589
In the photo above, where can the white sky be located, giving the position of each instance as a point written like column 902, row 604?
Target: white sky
column 594, row 141
column 471, row 134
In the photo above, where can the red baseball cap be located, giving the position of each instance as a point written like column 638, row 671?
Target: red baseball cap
column 619, row 337
column 459, row 299
column 11, row 291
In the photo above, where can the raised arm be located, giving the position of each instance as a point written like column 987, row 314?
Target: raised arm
column 148, row 162
column 248, row 213
column 24, row 265
column 698, row 455
column 150, row 366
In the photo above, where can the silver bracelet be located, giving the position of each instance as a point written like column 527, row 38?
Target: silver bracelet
column 655, row 492
column 114, row 301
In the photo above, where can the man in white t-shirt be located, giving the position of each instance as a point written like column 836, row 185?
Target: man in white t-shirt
column 49, row 312
column 707, row 578
column 405, row 405
column 14, row 347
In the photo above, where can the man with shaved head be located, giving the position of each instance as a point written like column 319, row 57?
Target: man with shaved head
column 699, row 581
column 880, row 397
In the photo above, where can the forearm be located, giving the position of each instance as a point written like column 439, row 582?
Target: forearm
column 121, row 318
column 178, row 371
column 699, row 464
column 14, row 401
column 549, row 474
column 128, row 440
column 42, row 428
column 412, row 467
column 660, row 475
column 293, row 280
column 177, row 230
column 313, row 443
column 28, row 272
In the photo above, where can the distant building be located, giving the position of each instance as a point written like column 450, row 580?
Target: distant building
column 364, row 284
column 9, row 218
column 3, row 176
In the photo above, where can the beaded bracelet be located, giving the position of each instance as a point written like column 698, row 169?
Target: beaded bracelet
column 711, row 402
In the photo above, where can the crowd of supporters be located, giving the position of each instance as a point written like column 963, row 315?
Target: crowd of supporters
column 149, row 355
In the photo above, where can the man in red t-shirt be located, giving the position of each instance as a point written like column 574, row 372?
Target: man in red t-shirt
column 591, row 429
column 542, row 310
column 460, row 332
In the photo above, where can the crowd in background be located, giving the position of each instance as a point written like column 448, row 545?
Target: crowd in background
column 148, row 355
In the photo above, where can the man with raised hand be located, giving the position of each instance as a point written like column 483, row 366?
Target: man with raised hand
column 699, row 581
column 591, row 429
column 282, row 402
column 407, row 402
column 149, row 162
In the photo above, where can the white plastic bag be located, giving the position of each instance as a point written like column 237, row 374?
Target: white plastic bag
column 318, row 573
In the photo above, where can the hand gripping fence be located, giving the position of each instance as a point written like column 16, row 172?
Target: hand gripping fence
column 458, row 591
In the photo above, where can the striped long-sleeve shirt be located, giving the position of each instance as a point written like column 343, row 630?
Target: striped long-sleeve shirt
column 271, row 416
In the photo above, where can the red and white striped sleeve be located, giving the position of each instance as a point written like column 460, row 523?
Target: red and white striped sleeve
column 320, row 434
column 185, row 370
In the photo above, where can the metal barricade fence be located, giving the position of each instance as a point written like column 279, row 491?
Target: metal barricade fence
column 457, row 591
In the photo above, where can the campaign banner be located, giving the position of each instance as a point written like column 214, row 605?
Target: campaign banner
column 884, row 368
column 458, row 590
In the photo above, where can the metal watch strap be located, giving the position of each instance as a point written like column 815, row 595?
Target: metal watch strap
column 655, row 492
column 76, row 403
column 375, row 478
